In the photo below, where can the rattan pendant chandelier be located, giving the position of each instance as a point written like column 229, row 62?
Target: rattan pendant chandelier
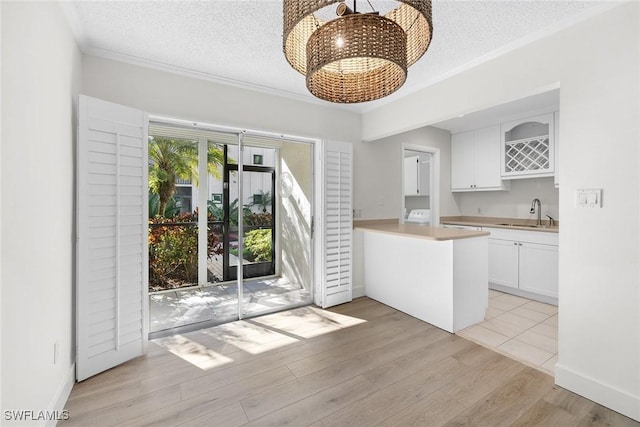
column 355, row 57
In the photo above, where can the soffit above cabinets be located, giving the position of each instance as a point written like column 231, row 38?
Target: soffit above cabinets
column 545, row 102
column 240, row 42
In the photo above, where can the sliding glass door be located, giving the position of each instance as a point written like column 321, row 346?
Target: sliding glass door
column 257, row 195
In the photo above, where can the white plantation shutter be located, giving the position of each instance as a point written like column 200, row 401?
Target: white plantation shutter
column 338, row 223
column 111, row 285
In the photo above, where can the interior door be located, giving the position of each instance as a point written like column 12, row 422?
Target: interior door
column 112, row 253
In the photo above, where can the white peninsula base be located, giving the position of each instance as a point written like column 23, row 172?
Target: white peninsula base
column 443, row 282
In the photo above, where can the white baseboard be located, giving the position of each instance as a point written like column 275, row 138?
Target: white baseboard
column 61, row 397
column 525, row 294
column 357, row 292
column 611, row 397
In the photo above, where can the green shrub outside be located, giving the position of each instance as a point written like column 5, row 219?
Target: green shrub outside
column 258, row 245
column 173, row 249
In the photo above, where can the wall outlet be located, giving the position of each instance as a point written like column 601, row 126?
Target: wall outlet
column 55, row 352
column 479, row 210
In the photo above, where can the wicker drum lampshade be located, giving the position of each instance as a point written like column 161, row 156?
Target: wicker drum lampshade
column 356, row 57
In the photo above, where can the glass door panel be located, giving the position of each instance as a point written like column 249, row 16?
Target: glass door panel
column 221, row 294
column 277, row 230
column 258, row 231
column 257, row 212
column 173, row 221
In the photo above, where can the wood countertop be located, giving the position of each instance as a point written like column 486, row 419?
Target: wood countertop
column 392, row 226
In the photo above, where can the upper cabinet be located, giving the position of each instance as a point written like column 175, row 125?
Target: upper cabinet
column 527, row 147
column 475, row 161
column 416, row 176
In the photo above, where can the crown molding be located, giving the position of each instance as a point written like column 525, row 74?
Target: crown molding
column 76, row 27
column 75, row 24
column 186, row 72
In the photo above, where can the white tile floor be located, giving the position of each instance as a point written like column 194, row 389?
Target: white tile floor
column 219, row 302
column 519, row 328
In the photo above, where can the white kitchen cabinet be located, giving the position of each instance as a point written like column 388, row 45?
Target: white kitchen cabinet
column 527, row 147
column 539, row 269
column 411, row 166
column 416, row 177
column 462, row 161
column 503, row 262
column 475, row 161
column 524, row 262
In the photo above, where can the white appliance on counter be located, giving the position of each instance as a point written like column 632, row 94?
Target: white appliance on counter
column 419, row 216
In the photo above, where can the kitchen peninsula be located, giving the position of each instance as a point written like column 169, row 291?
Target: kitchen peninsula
column 435, row 274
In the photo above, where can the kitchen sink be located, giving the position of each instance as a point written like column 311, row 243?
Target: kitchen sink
column 523, row 225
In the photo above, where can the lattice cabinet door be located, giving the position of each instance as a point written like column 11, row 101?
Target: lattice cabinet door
column 528, row 147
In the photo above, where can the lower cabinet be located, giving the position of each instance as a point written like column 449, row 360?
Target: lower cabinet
column 503, row 262
column 524, row 261
column 539, row 269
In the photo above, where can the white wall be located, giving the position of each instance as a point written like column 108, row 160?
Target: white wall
column 378, row 189
column 514, row 203
column 596, row 64
column 176, row 96
column 40, row 76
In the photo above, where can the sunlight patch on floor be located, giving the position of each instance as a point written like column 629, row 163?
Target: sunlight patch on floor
column 308, row 322
column 254, row 336
column 193, row 352
column 249, row 337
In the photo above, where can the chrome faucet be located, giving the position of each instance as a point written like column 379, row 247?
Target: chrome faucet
column 533, row 210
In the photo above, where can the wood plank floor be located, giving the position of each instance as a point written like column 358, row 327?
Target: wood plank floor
column 358, row 364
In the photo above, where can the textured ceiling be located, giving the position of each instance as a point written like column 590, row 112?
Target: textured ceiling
column 241, row 41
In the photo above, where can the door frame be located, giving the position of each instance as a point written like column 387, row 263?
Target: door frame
column 241, row 134
column 434, row 180
column 228, row 168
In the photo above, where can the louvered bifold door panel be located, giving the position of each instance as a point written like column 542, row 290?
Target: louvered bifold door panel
column 338, row 223
column 111, row 297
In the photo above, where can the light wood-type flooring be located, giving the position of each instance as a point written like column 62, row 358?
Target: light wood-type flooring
column 358, row 364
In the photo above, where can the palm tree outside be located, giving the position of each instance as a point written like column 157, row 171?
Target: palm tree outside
column 171, row 159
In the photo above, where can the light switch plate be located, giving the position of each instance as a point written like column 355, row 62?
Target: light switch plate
column 589, row 198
